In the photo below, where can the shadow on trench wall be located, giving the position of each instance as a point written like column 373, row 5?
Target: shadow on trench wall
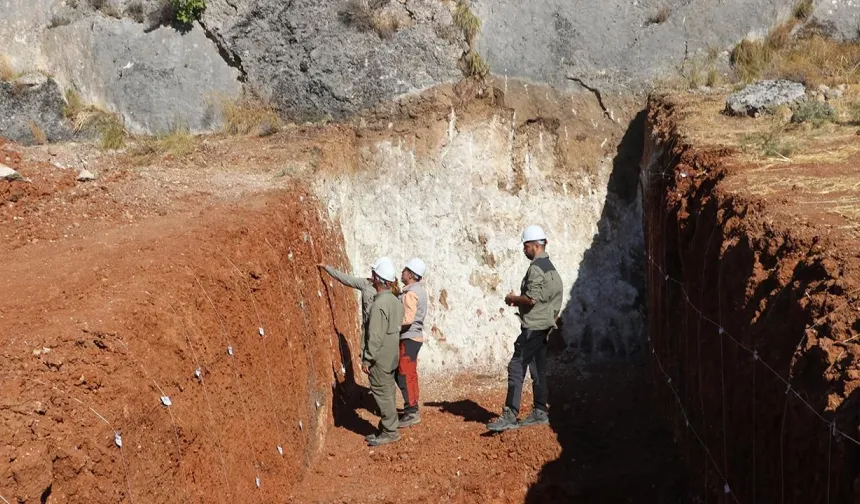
column 615, row 446
column 602, row 315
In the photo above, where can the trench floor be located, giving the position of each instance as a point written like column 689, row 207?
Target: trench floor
column 607, row 443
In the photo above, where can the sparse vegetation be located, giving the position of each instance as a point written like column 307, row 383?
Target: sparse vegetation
column 854, row 114
column 58, row 20
column 250, row 114
column 84, row 117
column 136, row 12
column 187, row 11
column 659, row 17
column 178, row 142
column 7, row 73
column 803, row 10
column 814, row 112
column 807, row 55
column 467, row 21
column 366, row 16
column 774, row 143
column 98, row 4
column 475, row 66
column 38, row 134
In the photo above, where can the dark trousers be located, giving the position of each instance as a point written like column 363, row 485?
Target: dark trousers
column 529, row 353
column 407, row 374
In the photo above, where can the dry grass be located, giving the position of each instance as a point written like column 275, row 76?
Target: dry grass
column 803, row 10
column 249, row 115
column 38, row 134
column 474, row 64
column 812, row 58
column 367, row 16
column 136, row 12
column 177, row 143
column 7, row 73
column 85, row 117
column 467, row 21
column 660, row 17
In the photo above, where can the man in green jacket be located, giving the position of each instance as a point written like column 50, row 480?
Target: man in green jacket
column 381, row 352
column 363, row 285
column 539, row 304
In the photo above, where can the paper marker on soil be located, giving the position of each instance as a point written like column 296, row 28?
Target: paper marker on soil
column 262, row 332
column 117, row 439
column 230, row 350
column 165, row 401
column 301, row 427
column 257, row 481
column 280, row 450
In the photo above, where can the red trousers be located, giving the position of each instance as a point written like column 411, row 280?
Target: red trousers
column 407, row 374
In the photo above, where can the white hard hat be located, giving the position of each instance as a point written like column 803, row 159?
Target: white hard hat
column 384, row 269
column 416, row 266
column 533, row 233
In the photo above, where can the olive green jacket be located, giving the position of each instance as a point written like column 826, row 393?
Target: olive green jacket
column 383, row 332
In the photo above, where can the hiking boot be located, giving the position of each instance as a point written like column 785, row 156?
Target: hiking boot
column 371, row 437
column 508, row 420
column 538, row 417
column 384, row 438
column 410, row 419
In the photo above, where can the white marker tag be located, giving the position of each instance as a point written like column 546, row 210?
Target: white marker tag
column 165, row 401
column 261, row 331
column 229, row 350
column 117, row 439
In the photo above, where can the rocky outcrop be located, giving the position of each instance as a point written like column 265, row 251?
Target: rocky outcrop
column 31, row 110
column 155, row 80
column 618, row 43
column 315, row 58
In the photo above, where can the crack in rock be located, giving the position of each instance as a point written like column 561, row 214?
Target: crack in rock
column 595, row 92
column 231, row 58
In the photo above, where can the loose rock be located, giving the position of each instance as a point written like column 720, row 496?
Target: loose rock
column 764, row 96
column 9, row 174
column 86, row 176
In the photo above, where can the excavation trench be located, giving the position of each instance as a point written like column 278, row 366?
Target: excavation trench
column 205, row 342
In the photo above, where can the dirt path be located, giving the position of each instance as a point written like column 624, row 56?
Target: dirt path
column 606, row 444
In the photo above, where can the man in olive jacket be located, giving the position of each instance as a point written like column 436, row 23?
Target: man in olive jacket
column 382, row 350
column 539, row 304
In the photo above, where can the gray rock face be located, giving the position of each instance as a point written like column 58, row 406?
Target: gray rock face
column 843, row 16
column 85, row 176
column 31, row 110
column 154, row 80
column 612, row 43
column 762, row 96
column 311, row 61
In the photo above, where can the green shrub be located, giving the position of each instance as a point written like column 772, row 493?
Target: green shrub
column 187, row 11
column 814, row 112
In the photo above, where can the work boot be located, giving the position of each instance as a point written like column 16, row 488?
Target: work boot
column 508, row 420
column 371, row 437
column 384, row 438
column 410, row 418
column 538, row 417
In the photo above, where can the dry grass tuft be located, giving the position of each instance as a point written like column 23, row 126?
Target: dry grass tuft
column 812, row 60
column 366, row 16
column 177, row 143
column 86, row 117
column 38, row 134
column 474, row 64
column 803, row 10
column 660, row 17
column 250, row 115
column 7, row 73
column 467, row 21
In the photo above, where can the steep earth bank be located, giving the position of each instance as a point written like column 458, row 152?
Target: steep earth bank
column 186, row 357
column 753, row 282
